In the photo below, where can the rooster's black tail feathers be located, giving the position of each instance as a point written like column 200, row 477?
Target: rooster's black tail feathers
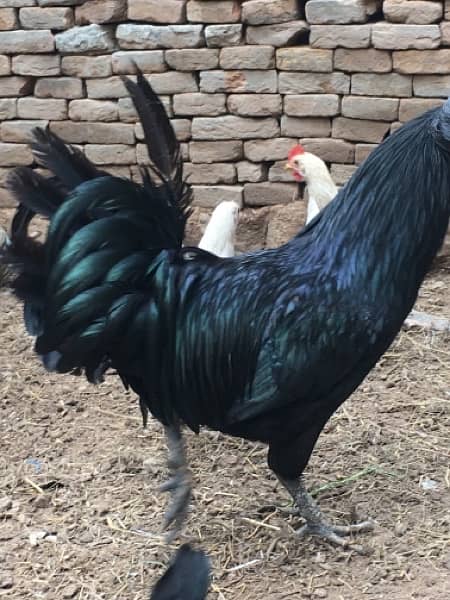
column 162, row 146
column 94, row 217
column 187, row 578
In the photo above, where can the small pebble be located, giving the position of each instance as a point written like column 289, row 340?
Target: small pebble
column 42, row 501
column 5, row 503
column 70, row 591
column 6, row 582
column 400, row 528
column 321, row 593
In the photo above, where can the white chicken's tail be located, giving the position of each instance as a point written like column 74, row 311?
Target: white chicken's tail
column 219, row 234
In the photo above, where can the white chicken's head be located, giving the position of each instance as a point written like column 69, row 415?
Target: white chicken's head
column 306, row 166
column 295, row 162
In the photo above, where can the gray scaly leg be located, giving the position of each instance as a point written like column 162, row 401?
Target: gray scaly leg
column 315, row 521
column 179, row 484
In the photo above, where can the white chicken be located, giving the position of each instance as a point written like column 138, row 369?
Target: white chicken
column 313, row 171
column 219, row 234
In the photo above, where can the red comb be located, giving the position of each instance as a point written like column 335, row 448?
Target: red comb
column 298, row 149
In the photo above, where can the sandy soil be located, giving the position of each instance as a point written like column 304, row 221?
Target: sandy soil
column 80, row 510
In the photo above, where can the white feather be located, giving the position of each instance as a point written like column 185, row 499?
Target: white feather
column 219, row 235
column 321, row 188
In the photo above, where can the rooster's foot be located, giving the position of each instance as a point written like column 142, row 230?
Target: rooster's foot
column 335, row 533
column 315, row 522
column 179, row 484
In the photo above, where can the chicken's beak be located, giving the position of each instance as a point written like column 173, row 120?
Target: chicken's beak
column 288, row 166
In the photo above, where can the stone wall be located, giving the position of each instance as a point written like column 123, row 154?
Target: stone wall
column 243, row 81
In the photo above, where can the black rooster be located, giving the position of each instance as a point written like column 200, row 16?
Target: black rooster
column 263, row 346
column 186, row 578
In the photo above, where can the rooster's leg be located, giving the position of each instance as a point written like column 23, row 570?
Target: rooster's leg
column 315, row 521
column 179, row 484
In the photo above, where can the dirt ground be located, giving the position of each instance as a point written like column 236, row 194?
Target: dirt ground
column 80, row 510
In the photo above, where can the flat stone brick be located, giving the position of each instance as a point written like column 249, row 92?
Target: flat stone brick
column 248, row 57
column 56, row 2
column 173, row 83
column 250, row 172
column 42, row 108
column 431, row 86
column 182, row 128
column 128, row 114
column 26, row 42
column 148, row 61
column 377, row 109
column 279, row 173
column 341, row 173
column 412, row 11
column 386, row 84
column 19, row 130
column 93, row 110
column 46, row 18
column 5, row 65
column 61, row 87
column 218, row 36
column 411, row 108
column 362, row 151
column 210, row 152
column 405, row 37
column 210, row 196
column 268, row 150
column 213, row 11
column 14, row 155
column 231, row 127
column 267, row 12
column 109, row 87
column 218, row 173
column 93, row 39
column 335, row 36
column 150, row 37
column 312, row 105
column 281, row 34
column 198, row 104
column 8, row 19
column 330, row 149
column 259, row 82
column 17, row 3
column 305, row 59
column 329, row 12
column 424, row 62
column 313, row 83
column 359, row 130
column 368, row 60
column 118, row 171
column 16, row 86
column 445, row 34
column 36, row 65
column 267, row 193
column 8, row 108
column 305, row 126
column 86, row 66
column 155, row 11
column 255, row 105
column 110, row 154
column 192, row 60
column 101, row 11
